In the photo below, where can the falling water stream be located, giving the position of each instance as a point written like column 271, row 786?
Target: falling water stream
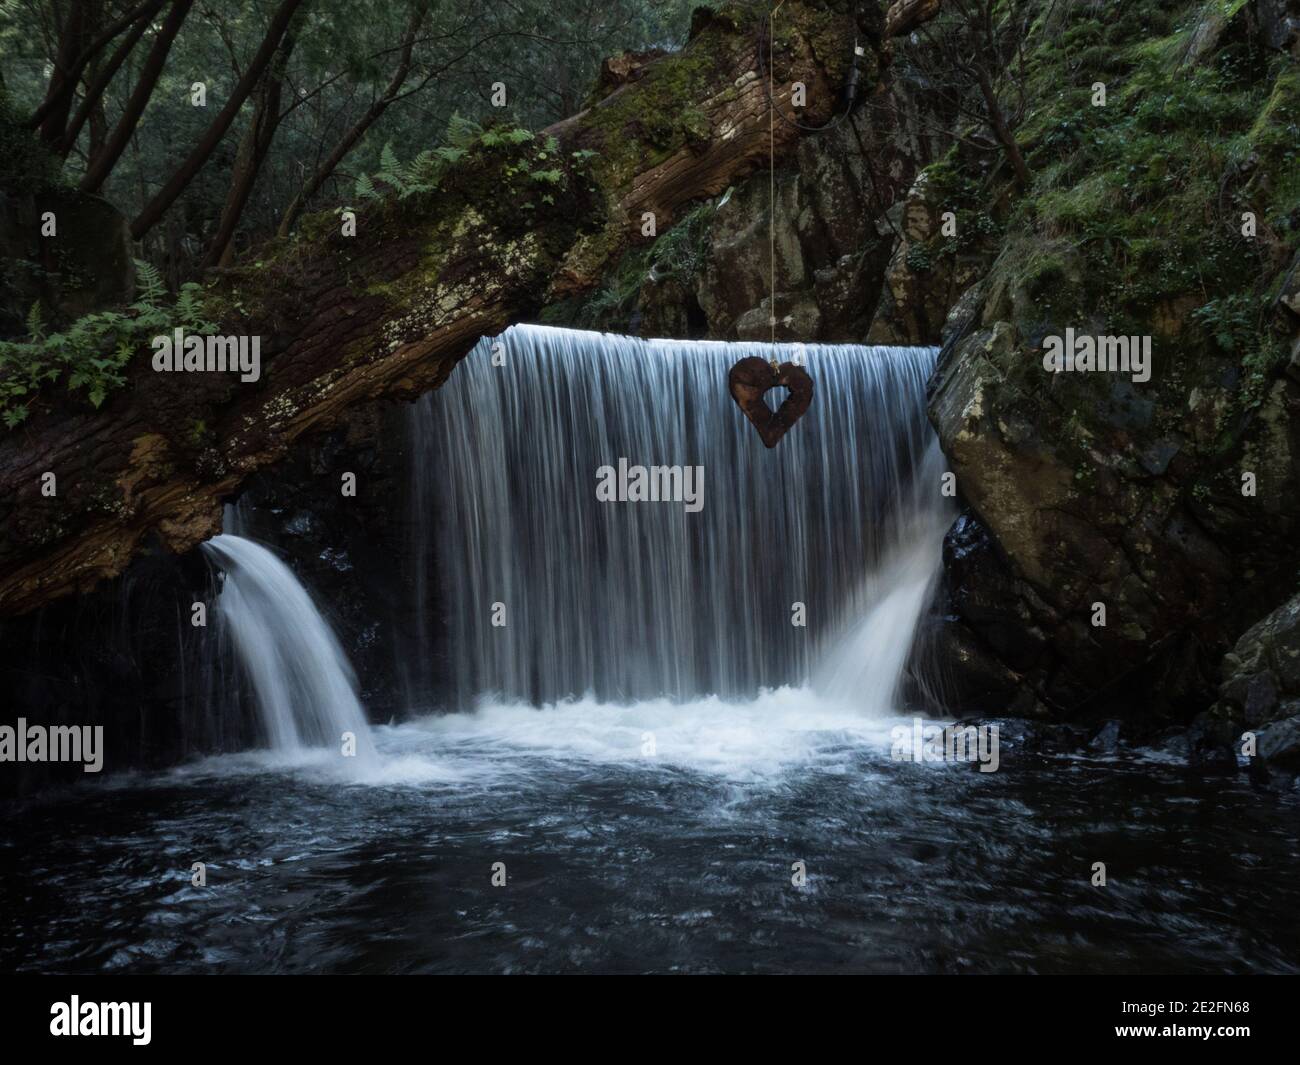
column 838, row 528
column 640, row 736
column 301, row 679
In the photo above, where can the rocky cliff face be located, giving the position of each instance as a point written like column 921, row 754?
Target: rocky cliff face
column 1122, row 533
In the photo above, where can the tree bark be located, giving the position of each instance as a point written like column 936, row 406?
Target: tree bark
column 344, row 320
column 1003, row 131
column 904, row 16
column 53, row 112
column 184, row 174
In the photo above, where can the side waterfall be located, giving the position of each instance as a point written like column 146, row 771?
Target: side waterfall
column 304, row 687
column 554, row 593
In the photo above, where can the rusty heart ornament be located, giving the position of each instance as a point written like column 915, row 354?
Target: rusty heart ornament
column 751, row 378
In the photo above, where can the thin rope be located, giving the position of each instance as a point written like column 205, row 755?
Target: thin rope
column 771, row 185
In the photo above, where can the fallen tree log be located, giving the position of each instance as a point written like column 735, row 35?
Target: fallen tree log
column 387, row 312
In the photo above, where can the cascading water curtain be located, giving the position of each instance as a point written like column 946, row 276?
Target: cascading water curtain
column 552, row 592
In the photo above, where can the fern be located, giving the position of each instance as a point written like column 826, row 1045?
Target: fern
column 425, row 171
column 93, row 351
column 189, row 309
column 497, row 138
column 391, row 171
column 152, row 289
column 366, row 188
column 461, row 131
column 35, row 326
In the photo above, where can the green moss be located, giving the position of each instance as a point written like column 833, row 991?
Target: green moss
column 678, row 254
column 635, row 130
column 1132, row 224
column 1150, row 188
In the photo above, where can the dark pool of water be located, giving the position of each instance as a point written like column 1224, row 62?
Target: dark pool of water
column 619, row 863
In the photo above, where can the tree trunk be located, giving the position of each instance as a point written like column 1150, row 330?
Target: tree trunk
column 252, row 153
column 344, row 320
column 76, row 49
column 92, row 104
column 1003, row 131
column 102, row 166
column 904, row 16
column 73, row 37
column 156, row 207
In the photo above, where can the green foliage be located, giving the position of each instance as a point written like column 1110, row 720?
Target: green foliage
column 25, row 164
column 365, row 188
column 611, row 305
column 1150, row 188
column 1232, row 322
column 950, row 188
column 678, row 254
column 346, row 54
column 682, row 252
column 1237, row 325
column 504, row 137
column 425, row 172
column 421, row 175
column 919, row 260
column 92, row 352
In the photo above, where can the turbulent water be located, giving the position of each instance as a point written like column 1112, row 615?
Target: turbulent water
column 648, row 750
column 619, row 862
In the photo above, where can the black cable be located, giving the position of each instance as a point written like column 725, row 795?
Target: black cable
column 850, row 86
column 850, row 97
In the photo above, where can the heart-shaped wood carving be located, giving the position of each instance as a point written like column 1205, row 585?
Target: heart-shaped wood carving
column 751, row 378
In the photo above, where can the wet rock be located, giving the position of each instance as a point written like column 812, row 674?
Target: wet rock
column 1174, row 743
column 1106, row 740
column 1261, row 674
column 920, row 287
column 1279, row 743
column 981, row 590
column 1211, row 742
column 832, row 240
column 1081, row 482
column 1279, row 22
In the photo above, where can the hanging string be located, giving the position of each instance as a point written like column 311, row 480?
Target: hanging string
column 767, row 28
column 771, row 185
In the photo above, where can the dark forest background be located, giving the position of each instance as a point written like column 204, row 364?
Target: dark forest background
column 300, row 98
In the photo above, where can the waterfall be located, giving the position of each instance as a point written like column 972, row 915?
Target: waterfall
column 303, row 685
column 554, row 593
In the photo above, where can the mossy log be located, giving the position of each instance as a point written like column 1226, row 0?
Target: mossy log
column 388, row 312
